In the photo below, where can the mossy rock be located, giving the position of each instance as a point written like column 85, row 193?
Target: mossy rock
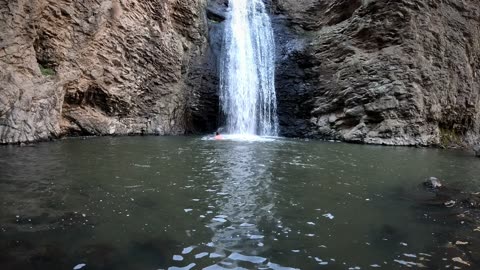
column 47, row 71
column 449, row 138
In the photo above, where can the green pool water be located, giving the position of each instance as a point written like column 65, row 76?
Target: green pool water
column 194, row 203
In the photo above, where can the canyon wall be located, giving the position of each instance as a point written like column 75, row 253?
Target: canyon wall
column 100, row 67
column 395, row 72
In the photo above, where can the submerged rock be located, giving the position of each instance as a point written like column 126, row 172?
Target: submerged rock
column 476, row 149
column 432, row 183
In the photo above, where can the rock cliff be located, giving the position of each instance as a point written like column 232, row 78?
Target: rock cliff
column 396, row 72
column 95, row 67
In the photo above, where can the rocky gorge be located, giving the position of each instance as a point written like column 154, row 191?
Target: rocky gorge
column 98, row 67
column 402, row 72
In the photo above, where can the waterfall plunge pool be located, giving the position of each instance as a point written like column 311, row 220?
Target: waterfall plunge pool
column 191, row 203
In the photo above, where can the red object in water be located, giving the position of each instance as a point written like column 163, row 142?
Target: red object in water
column 218, row 137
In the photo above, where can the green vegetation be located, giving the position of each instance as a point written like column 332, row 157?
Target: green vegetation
column 449, row 137
column 46, row 71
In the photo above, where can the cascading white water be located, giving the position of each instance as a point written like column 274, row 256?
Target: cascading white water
column 248, row 97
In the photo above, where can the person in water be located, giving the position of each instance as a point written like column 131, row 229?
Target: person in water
column 218, row 136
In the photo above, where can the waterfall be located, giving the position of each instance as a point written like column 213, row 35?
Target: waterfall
column 247, row 70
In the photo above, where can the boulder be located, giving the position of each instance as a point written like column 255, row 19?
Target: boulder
column 432, row 183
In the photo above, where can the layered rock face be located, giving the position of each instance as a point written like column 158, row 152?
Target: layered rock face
column 400, row 72
column 99, row 67
column 403, row 72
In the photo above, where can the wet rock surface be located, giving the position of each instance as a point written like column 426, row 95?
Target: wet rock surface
column 433, row 183
column 381, row 72
column 101, row 67
column 203, row 103
column 476, row 149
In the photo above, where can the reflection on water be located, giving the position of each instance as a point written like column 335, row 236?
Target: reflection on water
column 246, row 200
column 193, row 203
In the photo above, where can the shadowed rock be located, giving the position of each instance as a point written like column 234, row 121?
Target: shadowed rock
column 476, row 149
column 381, row 72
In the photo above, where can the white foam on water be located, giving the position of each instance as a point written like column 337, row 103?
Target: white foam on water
column 187, row 250
column 255, row 237
column 406, row 263
column 177, row 258
column 141, row 165
column 188, row 267
column 275, row 266
column 134, row 186
column 221, row 220
column 215, row 255
column 243, row 138
column 79, row 266
column 410, row 255
column 329, row 216
column 201, row 255
column 218, row 267
column 253, row 259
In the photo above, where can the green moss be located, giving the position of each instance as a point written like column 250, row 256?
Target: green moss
column 46, row 71
column 449, row 138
